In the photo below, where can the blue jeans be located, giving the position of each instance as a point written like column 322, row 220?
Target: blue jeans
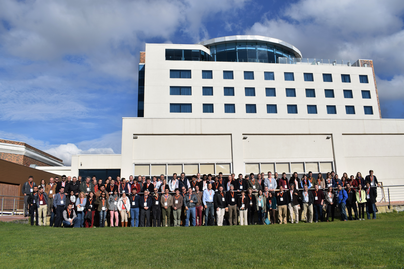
column 343, row 212
column 80, row 217
column 52, row 218
column 134, row 217
column 318, row 212
column 210, row 210
column 103, row 216
column 66, row 224
column 370, row 207
column 261, row 215
column 190, row 211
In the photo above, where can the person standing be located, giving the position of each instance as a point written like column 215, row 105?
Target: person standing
column 243, row 208
column 27, row 189
column 177, row 206
column 261, row 207
column 351, row 201
column 219, row 205
column 371, row 195
column 113, row 208
column 167, row 203
column 50, row 190
column 307, row 200
column 90, row 210
column 190, row 201
column 42, row 200
column 156, row 208
column 282, row 201
column 198, row 206
column 251, row 207
column 134, row 208
column 207, row 199
column 372, row 179
column 59, row 202
column 329, row 201
column 318, row 203
column 361, row 199
column 271, row 204
column 87, row 186
column 231, row 201
column 294, row 203
column 145, row 207
column 81, row 206
column 342, row 197
column 33, row 206
column 102, row 208
column 124, row 209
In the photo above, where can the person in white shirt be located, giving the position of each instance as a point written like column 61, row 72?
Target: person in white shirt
column 174, row 183
column 124, row 207
column 207, row 200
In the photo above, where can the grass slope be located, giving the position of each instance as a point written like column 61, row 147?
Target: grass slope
column 364, row 244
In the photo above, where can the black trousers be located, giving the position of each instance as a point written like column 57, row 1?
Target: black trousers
column 251, row 212
column 361, row 210
column 330, row 211
column 144, row 213
column 59, row 215
column 156, row 217
column 33, row 209
column 349, row 207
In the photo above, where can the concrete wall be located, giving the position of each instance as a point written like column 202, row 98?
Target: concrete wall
column 95, row 161
column 158, row 82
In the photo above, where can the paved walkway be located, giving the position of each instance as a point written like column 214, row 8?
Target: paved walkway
column 12, row 218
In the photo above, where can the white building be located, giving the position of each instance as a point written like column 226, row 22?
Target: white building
column 249, row 104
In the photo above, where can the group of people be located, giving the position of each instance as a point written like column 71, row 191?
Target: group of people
column 201, row 200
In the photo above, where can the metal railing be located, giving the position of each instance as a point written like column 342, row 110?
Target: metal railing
column 11, row 205
column 315, row 61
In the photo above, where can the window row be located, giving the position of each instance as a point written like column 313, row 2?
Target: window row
column 269, row 92
column 249, row 75
column 271, row 109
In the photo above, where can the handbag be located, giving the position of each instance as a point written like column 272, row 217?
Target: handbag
column 267, row 221
column 126, row 210
column 88, row 215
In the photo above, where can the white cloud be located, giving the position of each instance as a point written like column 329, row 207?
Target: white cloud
column 345, row 30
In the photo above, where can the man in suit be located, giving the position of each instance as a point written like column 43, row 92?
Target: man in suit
column 145, row 206
column 372, row 179
column 371, row 195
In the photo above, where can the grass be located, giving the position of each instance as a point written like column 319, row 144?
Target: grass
column 360, row 244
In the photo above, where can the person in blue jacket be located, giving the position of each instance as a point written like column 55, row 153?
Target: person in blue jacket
column 305, row 181
column 342, row 197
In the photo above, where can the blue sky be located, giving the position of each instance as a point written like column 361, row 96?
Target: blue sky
column 68, row 69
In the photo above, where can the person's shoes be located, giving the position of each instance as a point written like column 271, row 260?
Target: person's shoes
column 316, row 221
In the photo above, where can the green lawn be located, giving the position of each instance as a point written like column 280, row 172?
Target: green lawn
column 364, row 244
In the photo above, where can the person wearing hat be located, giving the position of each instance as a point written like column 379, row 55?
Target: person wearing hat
column 177, row 206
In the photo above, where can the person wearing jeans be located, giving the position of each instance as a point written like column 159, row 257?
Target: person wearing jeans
column 80, row 205
column 134, row 208
column 371, row 195
column 102, row 208
column 261, row 207
column 342, row 197
column 207, row 199
column 113, row 208
column 190, row 201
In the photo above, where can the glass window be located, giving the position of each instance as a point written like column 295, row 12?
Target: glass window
column 329, row 93
column 249, row 91
column 222, row 167
column 158, row 169
column 289, row 76
column 272, row 109
column 227, row 74
column 248, row 75
column 207, row 74
column 190, row 169
column 250, row 108
column 269, row 76
column 312, row 167
column 350, row 109
column 252, row 168
column 346, row 78
column 297, row 167
column 180, row 90
column 270, row 92
column 180, row 108
column 366, row 94
column 229, row 108
column 348, row 94
column 207, row 169
column 266, row 167
column 207, row 108
column 331, row 110
column 363, row 79
column 180, row 73
column 282, row 167
column 311, row 109
column 292, row 109
column 325, row 167
column 173, row 54
column 308, row 77
column 310, row 93
column 228, row 91
column 290, row 92
column 174, row 168
column 142, row 169
column 327, row 77
column 207, row 91
column 368, row 110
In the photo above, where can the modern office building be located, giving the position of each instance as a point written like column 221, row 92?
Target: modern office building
column 253, row 104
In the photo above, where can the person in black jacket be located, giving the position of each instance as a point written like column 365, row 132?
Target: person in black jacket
column 371, row 195
column 63, row 184
column 148, row 186
column 351, row 201
column 243, row 209
column 73, row 186
column 90, row 210
column 283, row 201
column 33, row 206
column 240, row 184
column 156, row 209
column 372, row 179
column 145, row 207
column 294, row 179
column 219, row 202
column 252, row 206
column 231, row 201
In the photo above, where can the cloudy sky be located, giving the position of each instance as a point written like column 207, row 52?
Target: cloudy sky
column 68, row 68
